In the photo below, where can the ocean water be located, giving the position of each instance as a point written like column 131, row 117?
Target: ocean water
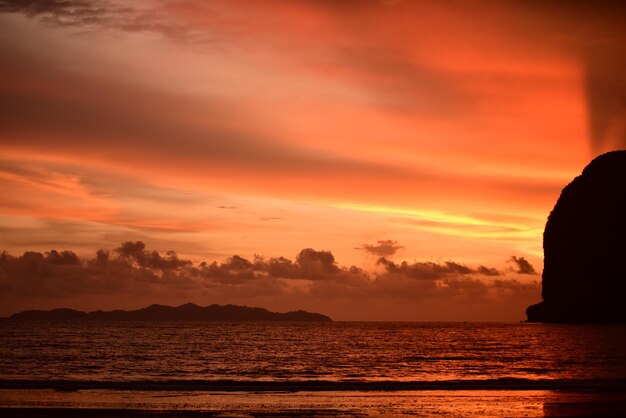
column 335, row 352
column 339, row 368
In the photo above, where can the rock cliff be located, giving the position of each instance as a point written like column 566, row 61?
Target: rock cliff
column 584, row 242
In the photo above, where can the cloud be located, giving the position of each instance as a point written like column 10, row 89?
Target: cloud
column 135, row 252
column 523, row 266
column 133, row 273
column 93, row 13
column 515, row 286
column 64, row 257
column 431, row 270
column 124, row 113
column 383, row 248
column 309, row 265
column 471, row 227
column 120, row 121
column 132, row 260
column 487, row 271
column 316, row 263
column 77, row 9
column 234, row 271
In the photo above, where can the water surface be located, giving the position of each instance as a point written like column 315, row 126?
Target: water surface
column 311, row 369
column 126, row 351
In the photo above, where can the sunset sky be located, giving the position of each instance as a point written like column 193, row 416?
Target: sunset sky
column 370, row 160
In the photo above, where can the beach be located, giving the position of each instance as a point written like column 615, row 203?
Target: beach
column 180, row 369
column 472, row 403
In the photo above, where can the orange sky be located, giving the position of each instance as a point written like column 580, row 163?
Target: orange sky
column 443, row 130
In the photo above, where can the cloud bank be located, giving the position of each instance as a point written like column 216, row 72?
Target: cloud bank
column 134, row 274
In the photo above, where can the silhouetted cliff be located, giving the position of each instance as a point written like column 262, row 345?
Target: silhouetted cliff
column 584, row 243
column 187, row 312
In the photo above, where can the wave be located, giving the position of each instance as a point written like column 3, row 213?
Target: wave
column 318, row 385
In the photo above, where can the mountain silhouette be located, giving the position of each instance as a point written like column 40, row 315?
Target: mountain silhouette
column 187, row 312
column 584, row 243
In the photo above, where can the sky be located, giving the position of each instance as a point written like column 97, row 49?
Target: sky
column 370, row 160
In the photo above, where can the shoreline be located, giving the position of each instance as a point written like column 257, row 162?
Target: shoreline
column 472, row 403
column 506, row 383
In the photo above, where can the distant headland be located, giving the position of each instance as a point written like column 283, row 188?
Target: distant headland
column 584, row 243
column 187, row 312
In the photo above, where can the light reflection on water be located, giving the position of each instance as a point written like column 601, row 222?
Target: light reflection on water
column 123, row 351
column 474, row 403
column 471, row 403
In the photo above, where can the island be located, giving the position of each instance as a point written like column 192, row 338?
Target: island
column 186, row 312
column 584, row 242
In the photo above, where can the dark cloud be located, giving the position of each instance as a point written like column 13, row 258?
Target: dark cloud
column 75, row 9
column 384, row 248
column 523, row 266
column 316, row 263
column 135, row 252
column 312, row 279
column 237, row 263
column 62, row 257
column 91, row 13
column 309, row 265
column 432, row 271
column 487, row 271
column 63, row 273
column 279, row 267
column 234, row 271
column 131, row 249
column 102, row 257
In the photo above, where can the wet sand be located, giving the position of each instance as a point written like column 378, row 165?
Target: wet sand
column 474, row 403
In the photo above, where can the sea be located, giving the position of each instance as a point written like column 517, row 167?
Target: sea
column 312, row 369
